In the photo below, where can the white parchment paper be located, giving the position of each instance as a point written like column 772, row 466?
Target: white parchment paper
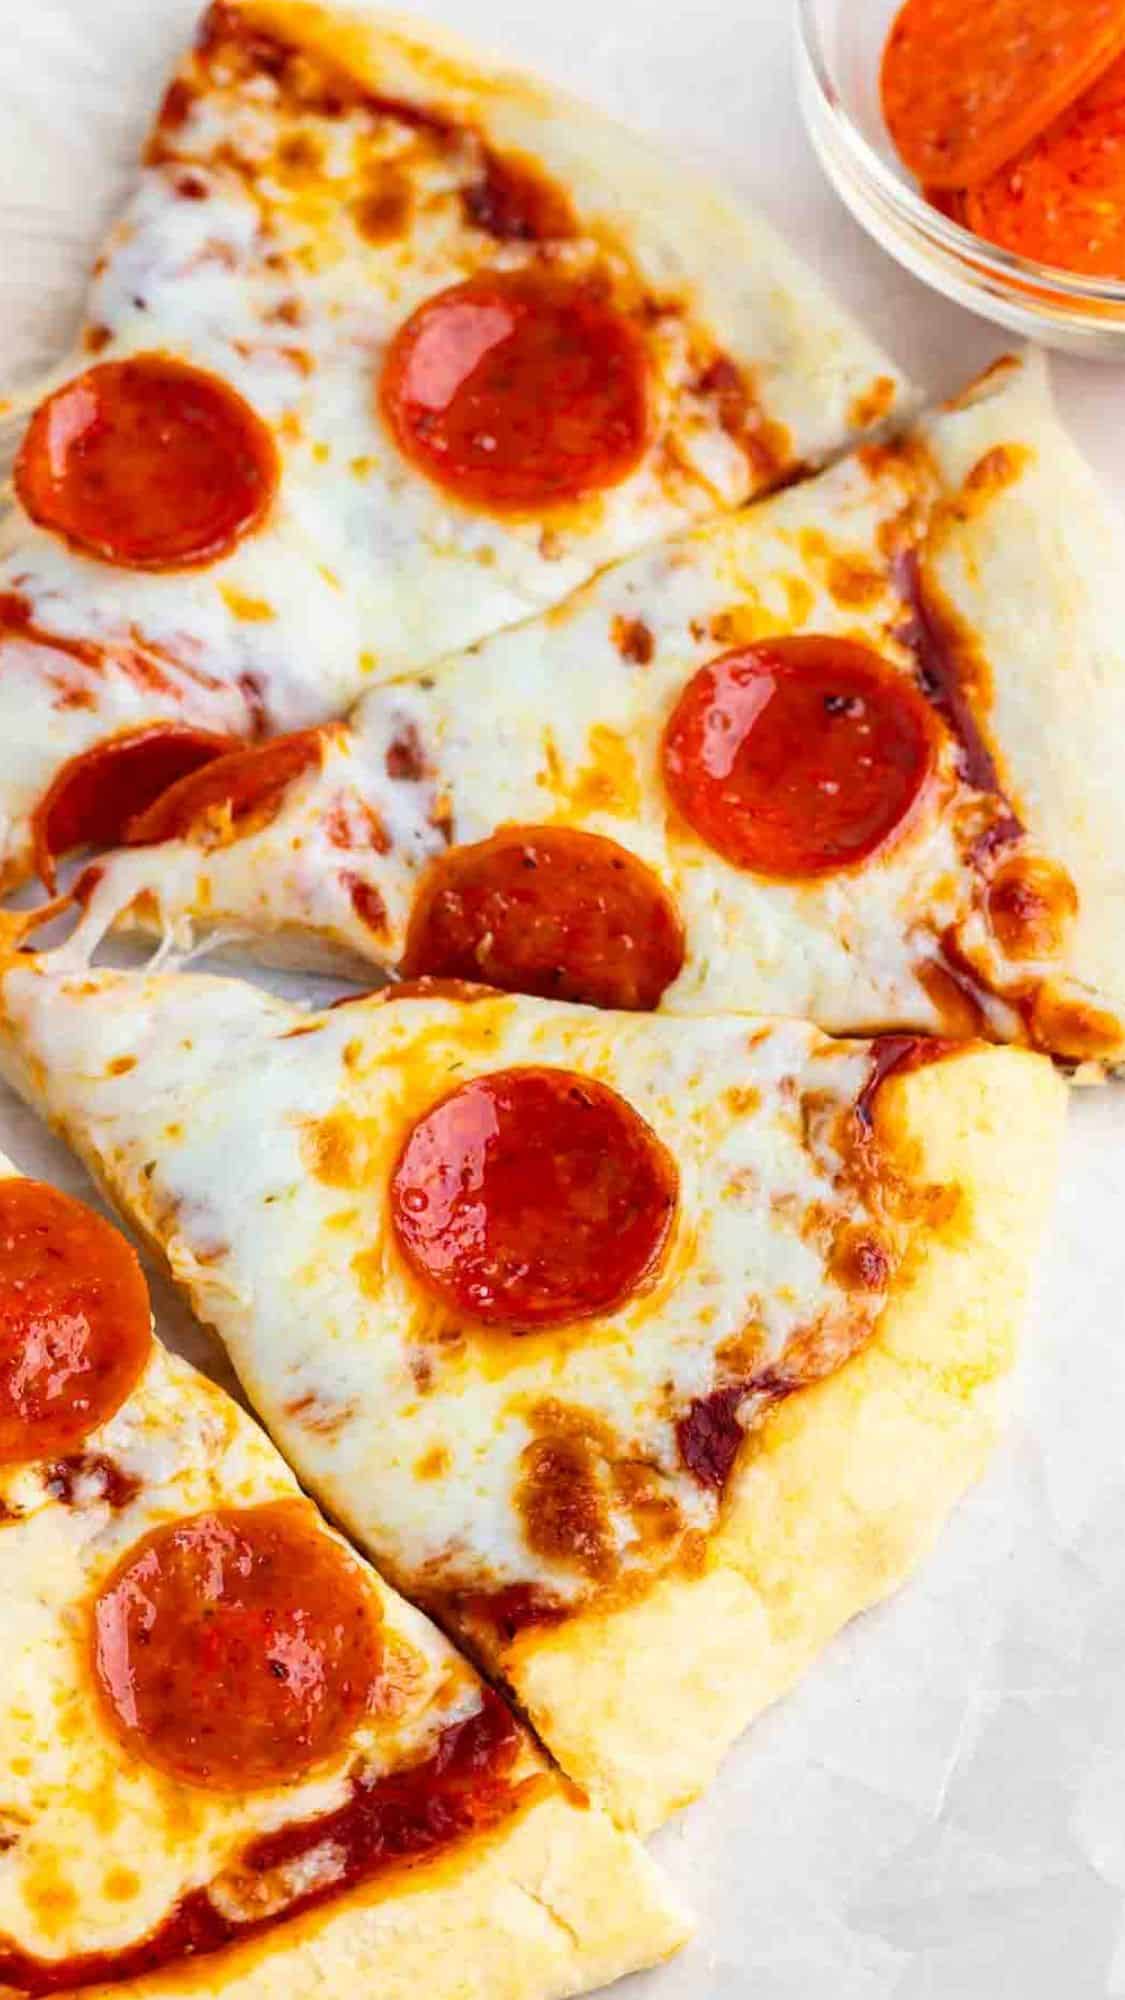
column 939, row 1812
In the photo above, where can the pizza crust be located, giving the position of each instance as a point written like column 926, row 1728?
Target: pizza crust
column 846, row 1486
column 555, row 1902
column 1037, row 576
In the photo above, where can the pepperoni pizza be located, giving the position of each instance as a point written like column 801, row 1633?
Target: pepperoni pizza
column 643, row 1351
column 388, row 351
column 853, row 755
column 226, row 1741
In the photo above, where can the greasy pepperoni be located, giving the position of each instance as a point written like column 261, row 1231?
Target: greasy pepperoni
column 548, row 910
column 222, row 796
column 74, row 1321
column 97, row 793
column 236, row 1649
column 1062, row 199
column 147, row 463
column 533, row 1196
column 798, row 757
column 516, row 392
column 966, row 83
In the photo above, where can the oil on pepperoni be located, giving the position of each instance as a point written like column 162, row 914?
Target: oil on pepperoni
column 799, row 756
column 75, row 1329
column 236, row 1649
column 92, row 799
column 531, row 1197
column 516, row 392
column 548, row 910
column 246, row 785
column 147, row 463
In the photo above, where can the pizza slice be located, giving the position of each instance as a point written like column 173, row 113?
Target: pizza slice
column 642, row 1351
column 226, row 1746
column 389, row 349
column 854, row 755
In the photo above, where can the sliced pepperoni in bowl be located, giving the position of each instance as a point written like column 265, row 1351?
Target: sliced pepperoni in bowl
column 75, row 1324
column 518, row 391
column 548, row 910
column 799, row 756
column 147, row 463
column 533, row 1196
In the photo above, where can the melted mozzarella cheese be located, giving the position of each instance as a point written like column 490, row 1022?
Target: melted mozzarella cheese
column 258, row 1143
column 557, row 722
column 96, row 1847
column 243, row 253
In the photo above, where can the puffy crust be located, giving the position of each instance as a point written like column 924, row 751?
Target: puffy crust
column 555, row 1902
column 1036, row 575
column 847, row 1484
column 818, row 374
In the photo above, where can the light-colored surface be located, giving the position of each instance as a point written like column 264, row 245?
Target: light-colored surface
column 937, row 1813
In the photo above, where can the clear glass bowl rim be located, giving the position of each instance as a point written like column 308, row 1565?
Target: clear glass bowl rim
column 1005, row 266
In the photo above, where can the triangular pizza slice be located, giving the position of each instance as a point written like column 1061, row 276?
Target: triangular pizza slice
column 227, row 1749
column 389, row 349
column 642, row 1351
column 856, row 755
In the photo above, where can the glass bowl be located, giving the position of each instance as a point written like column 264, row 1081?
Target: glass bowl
column 840, row 46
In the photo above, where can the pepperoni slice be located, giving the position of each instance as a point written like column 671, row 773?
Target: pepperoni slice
column 966, row 83
column 147, row 463
column 517, row 392
column 224, row 796
column 97, row 793
column 75, row 1329
column 1062, row 200
column 531, row 1197
column 799, row 756
column 236, row 1649
column 548, row 910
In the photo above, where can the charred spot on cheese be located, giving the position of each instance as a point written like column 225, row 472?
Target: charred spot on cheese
column 383, row 211
column 236, row 1649
column 955, row 991
column 517, row 391
column 75, row 1328
column 731, row 392
column 710, row 1434
column 91, row 1478
column 799, row 756
column 633, row 640
column 367, row 903
column 532, row 1197
column 462, row 1788
column 862, row 1260
column 405, row 757
column 505, row 1613
column 561, row 1507
column 1031, row 904
column 147, row 463
column 513, row 200
column 552, row 911
column 1073, row 1028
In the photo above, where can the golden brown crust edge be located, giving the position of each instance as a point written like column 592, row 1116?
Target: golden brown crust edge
column 555, row 1902
column 846, row 1486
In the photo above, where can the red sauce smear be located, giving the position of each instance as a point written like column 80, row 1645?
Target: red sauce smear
column 531, row 1197
column 75, row 1326
column 462, row 1788
column 236, row 1649
column 938, row 674
column 800, row 756
column 148, row 464
column 517, row 391
column 223, row 796
column 94, row 796
column 552, row 911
